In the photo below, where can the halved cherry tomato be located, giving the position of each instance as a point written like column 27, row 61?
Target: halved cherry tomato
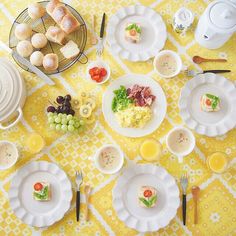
column 147, row 193
column 96, row 78
column 94, row 71
column 103, row 72
column 132, row 32
column 38, row 186
column 208, row 102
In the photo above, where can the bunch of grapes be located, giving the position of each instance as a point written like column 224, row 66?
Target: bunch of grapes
column 63, row 106
column 64, row 122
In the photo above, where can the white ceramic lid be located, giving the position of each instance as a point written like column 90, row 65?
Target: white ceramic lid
column 222, row 14
column 11, row 88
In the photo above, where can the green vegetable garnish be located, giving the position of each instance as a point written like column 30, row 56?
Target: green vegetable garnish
column 121, row 100
column 134, row 26
column 43, row 194
column 215, row 100
column 148, row 203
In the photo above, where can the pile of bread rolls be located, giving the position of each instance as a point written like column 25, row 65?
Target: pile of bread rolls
column 30, row 43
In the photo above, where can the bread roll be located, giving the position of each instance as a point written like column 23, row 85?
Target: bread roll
column 56, row 35
column 36, row 10
column 50, row 62
column 39, row 40
column 23, row 31
column 36, row 58
column 24, row 48
column 62, row 16
column 70, row 50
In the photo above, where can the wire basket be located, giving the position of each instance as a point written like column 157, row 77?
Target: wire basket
column 40, row 26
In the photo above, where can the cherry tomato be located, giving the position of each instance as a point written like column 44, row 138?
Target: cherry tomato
column 38, row 186
column 103, row 72
column 93, row 71
column 132, row 32
column 96, row 78
column 208, row 102
column 147, row 193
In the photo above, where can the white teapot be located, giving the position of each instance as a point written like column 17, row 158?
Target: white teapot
column 217, row 24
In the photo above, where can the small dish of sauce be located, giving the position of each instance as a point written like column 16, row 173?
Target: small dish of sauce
column 109, row 159
column 8, row 155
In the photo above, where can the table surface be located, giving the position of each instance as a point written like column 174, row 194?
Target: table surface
column 217, row 215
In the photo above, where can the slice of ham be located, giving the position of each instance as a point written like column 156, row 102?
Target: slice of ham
column 141, row 95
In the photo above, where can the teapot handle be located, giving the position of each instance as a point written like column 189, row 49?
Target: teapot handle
column 208, row 34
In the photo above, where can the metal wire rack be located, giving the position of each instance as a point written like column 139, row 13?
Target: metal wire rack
column 40, row 26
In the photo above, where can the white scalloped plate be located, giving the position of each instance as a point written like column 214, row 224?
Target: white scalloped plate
column 125, row 197
column 208, row 123
column 35, row 213
column 153, row 35
column 158, row 107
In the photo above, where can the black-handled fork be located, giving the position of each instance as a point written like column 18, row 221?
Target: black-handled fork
column 184, row 185
column 100, row 41
column 78, row 180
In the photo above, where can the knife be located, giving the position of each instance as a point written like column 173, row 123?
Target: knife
column 26, row 63
column 102, row 26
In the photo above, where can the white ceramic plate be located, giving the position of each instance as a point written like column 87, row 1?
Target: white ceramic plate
column 208, row 123
column 153, row 36
column 125, row 197
column 35, row 213
column 158, row 107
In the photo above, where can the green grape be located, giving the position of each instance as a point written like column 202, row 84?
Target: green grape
column 69, row 117
column 52, row 126
column 71, row 122
column 60, row 115
column 64, row 128
column 64, row 121
column 71, row 128
column 82, row 122
column 50, row 120
column 77, row 124
column 58, row 127
column 64, row 116
column 58, row 120
column 50, row 114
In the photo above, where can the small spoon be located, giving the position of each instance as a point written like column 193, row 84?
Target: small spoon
column 87, row 190
column 199, row 60
column 195, row 193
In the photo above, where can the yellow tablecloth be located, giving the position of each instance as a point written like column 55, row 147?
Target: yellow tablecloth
column 217, row 215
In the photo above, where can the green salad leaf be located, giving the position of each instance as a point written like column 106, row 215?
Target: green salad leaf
column 43, row 194
column 134, row 26
column 215, row 100
column 149, row 202
column 120, row 100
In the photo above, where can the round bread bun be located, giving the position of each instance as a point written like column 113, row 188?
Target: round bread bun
column 24, row 48
column 36, row 58
column 50, row 62
column 39, row 40
column 23, row 31
column 36, row 10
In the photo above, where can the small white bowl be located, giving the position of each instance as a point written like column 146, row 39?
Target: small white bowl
column 15, row 153
column 115, row 170
column 99, row 63
column 173, row 54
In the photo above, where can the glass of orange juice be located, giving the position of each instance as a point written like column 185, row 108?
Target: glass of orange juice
column 35, row 143
column 150, row 150
column 217, row 162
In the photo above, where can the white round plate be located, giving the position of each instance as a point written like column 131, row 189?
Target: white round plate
column 36, row 213
column 125, row 197
column 208, row 123
column 153, row 36
column 158, row 106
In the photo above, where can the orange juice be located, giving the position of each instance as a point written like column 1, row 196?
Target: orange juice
column 150, row 150
column 35, row 143
column 217, row 162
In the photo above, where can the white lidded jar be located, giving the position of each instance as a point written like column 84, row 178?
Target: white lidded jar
column 12, row 94
column 217, row 24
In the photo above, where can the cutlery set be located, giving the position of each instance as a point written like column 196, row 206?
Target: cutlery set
column 195, row 193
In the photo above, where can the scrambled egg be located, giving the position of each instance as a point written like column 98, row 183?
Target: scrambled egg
column 134, row 116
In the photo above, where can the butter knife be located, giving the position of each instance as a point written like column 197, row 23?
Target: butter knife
column 26, row 63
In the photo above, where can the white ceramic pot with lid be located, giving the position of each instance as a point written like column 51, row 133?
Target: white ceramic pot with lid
column 12, row 94
column 217, row 24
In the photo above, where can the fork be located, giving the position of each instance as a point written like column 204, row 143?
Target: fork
column 100, row 41
column 78, row 180
column 184, row 185
column 192, row 73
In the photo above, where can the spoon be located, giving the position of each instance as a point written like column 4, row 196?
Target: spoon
column 195, row 193
column 199, row 60
column 87, row 190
